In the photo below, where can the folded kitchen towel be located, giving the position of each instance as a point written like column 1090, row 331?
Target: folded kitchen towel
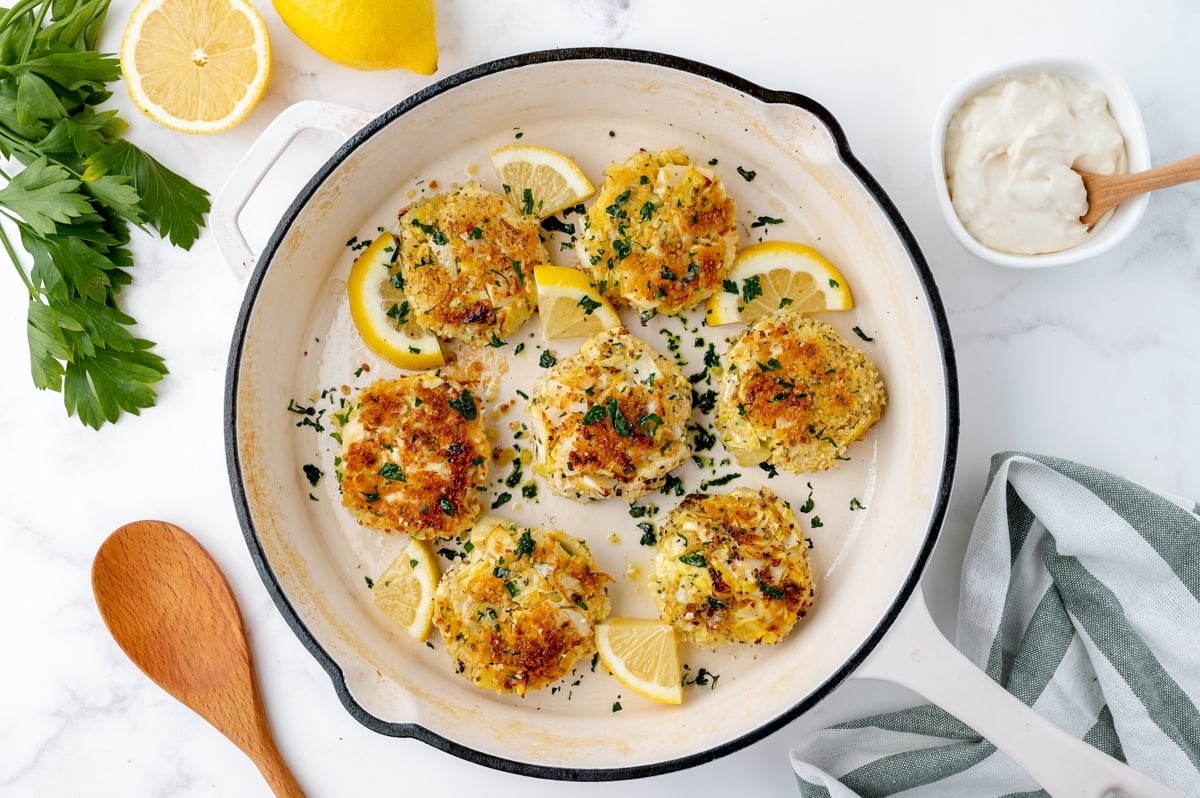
column 1081, row 596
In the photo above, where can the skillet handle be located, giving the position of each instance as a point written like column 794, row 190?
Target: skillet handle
column 257, row 163
column 916, row 655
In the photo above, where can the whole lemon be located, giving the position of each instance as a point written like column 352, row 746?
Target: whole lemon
column 366, row 34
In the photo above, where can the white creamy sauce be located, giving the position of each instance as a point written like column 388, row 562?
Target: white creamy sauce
column 1009, row 155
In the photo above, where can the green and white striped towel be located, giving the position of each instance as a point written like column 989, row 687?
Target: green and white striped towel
column 1081, row 596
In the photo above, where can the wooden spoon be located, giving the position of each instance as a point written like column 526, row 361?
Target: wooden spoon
column 1105, row 192
column 169, row 607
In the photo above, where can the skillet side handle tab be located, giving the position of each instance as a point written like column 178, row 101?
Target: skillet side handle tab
column 257, row 163
column 916, row 655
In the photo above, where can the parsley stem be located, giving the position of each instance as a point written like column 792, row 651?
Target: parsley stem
column 16, row 262
column 33, row 32
column 18, row 10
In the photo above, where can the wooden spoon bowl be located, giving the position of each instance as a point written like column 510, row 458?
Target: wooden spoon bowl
column 1105, row 192
column 170, row 609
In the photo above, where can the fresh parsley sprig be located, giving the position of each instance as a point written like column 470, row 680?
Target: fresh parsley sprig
column 73, row 188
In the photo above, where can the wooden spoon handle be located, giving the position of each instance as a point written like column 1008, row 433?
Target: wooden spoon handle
column 276, row 772
column 1171, row 174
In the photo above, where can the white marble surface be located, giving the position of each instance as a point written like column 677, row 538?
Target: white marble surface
column 1096, row 362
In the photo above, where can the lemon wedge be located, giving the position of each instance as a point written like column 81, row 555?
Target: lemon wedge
column 774, row 276
column 569, row 305
column 382, row 313
column 538, row 180
column 405, row 590
column 196, row 66
column 367, row 34
column 643, row 654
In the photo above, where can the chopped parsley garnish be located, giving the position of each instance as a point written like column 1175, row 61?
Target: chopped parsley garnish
column 621, row 247
column 747, row 174
column 529, row 490
column 447, row 506
column 719, row 481
column 751, row 289
column 502, row 499
column 763, row 221
column 370, row 582
column 862, row 335
column 729, row 287
column 475, row 234
column 703, row 440
column 650, row 422
column 648, row 536
column 496, row 342
column 855, row 504
column 553, row 224
column 771, row 470
column 465, row 405
column 594, row 414
column 619, row 423
column 588, row 304
column 705, row 402
column 527, row 201
column 807, row 507
column 313, row 474
column 512, row 588
column 392, row 473
column 647, row 211
column 770, row 591
column 694, row 559
column 547, row 359
column 772, row 364
column 817, row 522
column 525, row 544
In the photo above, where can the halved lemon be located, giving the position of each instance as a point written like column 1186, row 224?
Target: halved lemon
column 538, row 180
column 778, row 275
column 643, row 654
column 196, row 66
column 405, row 590
column 381, row 311
column 367, row 34
column 569, row 305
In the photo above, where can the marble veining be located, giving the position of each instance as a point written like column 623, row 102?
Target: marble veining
column 1095, row 362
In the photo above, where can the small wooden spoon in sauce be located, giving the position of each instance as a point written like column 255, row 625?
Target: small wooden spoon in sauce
column 170, row 608
column 1105, row 192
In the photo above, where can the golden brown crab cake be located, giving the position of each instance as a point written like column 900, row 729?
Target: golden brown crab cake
column 732, row 568
column 519, row 611
column 661, row 234
column 795, row 394
column 611, row 420
column 467, row 260
column 414, row 450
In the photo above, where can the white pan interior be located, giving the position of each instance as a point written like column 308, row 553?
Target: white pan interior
column 296, row 342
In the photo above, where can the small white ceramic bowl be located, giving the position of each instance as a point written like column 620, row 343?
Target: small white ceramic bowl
column 1125, row 111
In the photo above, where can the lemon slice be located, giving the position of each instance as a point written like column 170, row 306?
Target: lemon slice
column 196, row 66
column 367, row 34
column 405, row 590
column 538, row 180
column 381, row 311
column 774, row 276
column 644, row 656
column 569, row 305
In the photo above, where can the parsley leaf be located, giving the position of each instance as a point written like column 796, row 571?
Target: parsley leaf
column 72, row 192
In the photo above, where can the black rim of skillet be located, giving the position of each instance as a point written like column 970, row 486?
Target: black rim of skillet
column 936, row 310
